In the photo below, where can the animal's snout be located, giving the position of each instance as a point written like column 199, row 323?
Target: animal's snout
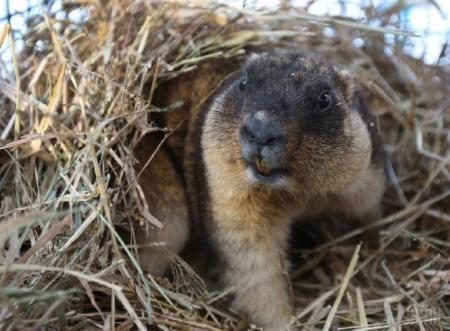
column 263, row 141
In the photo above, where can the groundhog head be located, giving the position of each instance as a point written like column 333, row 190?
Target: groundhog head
column 287, row 120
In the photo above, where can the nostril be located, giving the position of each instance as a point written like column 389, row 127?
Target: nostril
column 247, row 133
column 272, row 141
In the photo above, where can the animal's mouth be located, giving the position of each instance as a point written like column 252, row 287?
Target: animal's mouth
column 262, row 167
column 260, row 172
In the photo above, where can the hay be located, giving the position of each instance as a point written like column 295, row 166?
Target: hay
column 80, row 96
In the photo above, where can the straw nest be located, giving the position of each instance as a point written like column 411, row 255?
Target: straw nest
column 78, row 98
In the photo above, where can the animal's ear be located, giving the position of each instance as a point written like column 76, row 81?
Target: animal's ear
column 348, row 84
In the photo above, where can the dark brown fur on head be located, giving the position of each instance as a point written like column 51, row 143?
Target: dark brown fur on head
column 311, row 101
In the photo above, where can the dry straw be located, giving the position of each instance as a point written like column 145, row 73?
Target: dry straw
column 76, row 100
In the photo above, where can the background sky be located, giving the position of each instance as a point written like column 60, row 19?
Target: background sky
column 421, row 17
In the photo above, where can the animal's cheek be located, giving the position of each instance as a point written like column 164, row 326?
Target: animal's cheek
column 308, row 154
column 294, row 144
column 230, row 149
column 298, row 146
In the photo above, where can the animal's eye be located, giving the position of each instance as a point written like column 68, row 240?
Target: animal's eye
column 324, row 100
column 243, row 83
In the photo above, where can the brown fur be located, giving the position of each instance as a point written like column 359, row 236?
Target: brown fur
column 163, row 189
column 162, row 180
column 191, row 89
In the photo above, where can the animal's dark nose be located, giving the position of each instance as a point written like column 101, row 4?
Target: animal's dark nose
column 263, row 139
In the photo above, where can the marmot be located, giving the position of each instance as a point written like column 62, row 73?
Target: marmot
column 287, row 136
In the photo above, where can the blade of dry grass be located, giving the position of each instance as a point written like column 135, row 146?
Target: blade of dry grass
column 344, row 284
column 361, row 311
column 90, row 278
